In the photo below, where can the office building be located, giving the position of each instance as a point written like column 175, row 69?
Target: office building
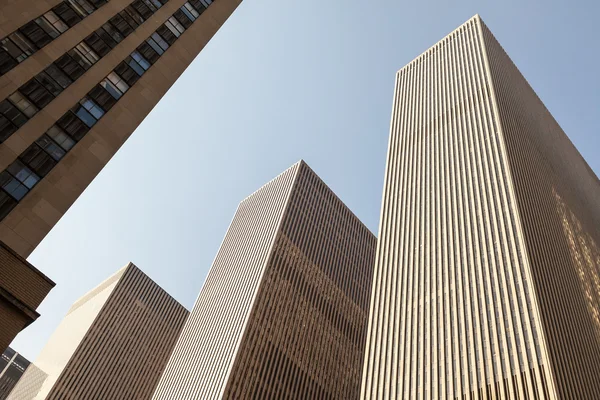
column 283, row 311
column 113, row 343
column 76, row 79
column 12, row 366
column 488, row 264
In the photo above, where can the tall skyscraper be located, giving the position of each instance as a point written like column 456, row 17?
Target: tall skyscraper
column 283, row 311
column 487, row 276
column 12, row 366
column 113, row 343
column 76, row 79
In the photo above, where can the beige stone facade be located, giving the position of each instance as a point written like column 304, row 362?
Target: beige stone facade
column 283, row 311
column 487, row 271
column 113, row 343
column 70, row 94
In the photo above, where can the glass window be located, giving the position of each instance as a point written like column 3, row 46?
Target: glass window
column 60, row 137
column 12, row 113
column 12, row 186
column 23, row 43
column 58, row 76
column 152, row 4
column 69, row 66
column 133, row 12
column 182, row 18
column 111, row 88
column 87, row 53
column 37, row 93
column 161, row 42
column 190, row 11
column 173, row 23
column 140, row 60
column 116, row 80
column 155, row 46
column 166, row 34
column 56, row 22
column 119, row 23
column 47, row 27
column 50, row 84
column 67, row 14
column 96, row 43
column 92, row 107
column 198, row 5
column 35, row 34
column 23, row 174
column 7, row 203
column 73, row 125
column 82, row 7
column 113, row 32
column 24, row 105
column 86, row 117
column 51, row 147
column 13, row 50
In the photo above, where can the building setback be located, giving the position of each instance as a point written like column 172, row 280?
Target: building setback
column 283, row 310
column 487, row 276
column 12, row 366
column 76, row 79
column 113, row 343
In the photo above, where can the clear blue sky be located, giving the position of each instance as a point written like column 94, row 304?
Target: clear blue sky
column 284, row 80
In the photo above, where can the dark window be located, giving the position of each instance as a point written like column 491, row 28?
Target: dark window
column 7, row 128
column 51, row 147
column 98, row 3
column 182, row 18
column 112, row 33
column 8, row 110
column 82, row 7
column 50, row 84
column 148, row 53
column 59, row 77
column 96, row 43
column 35, row 34
column 59, row 136
column 6, row 61
column 7, row 203
column 197, row 5
column 121, row 25
column 26, row 47
column 153, row 4
column 189, row 11
column 166, row 34
column 107, row 37
column 127, row 73
column 142, row 8
column 66, row 13
column 70, row 67
column 47, row 27
column 13, row 186
column 102, row 97
column 72, row 125
column 37, row 93
column 38, row 160
column 133, row 22
column 23, row 174
column 134, row 15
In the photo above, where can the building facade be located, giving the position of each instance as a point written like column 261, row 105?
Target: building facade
column 113, row 343
column 76, row 79
column 283, row 311
column 12, row 366
column 487, row 276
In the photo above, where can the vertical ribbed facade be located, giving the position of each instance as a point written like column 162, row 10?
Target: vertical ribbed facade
column 283, row 311
column 487, row 278
column 113, row 343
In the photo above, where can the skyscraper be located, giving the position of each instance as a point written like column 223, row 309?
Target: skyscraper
column 283, row 311
column 113, row 343
column 12, row 366
column 487, row 276
column 76, row 78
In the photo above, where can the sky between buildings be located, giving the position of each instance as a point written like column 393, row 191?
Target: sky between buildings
column 281, row 81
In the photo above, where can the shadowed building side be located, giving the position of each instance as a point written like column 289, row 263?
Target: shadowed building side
column 300, row 331
column 113, row 343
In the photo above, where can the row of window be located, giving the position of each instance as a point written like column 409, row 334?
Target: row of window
column 39, row 158
column 35, row 34
column 45, row 86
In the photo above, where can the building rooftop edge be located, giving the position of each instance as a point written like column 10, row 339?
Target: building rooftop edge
column 475, row 17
